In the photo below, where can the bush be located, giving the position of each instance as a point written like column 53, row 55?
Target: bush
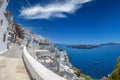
column 27, row 45
column 115, row 75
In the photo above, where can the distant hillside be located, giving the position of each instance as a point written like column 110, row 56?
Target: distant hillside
column 110, row 44
column 115, row 75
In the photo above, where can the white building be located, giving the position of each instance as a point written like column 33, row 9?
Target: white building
column 34, row 41
column 3, row 25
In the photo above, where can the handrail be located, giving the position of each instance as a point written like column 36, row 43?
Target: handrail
column 37, row 70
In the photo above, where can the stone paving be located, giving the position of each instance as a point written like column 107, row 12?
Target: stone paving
column 12, row 66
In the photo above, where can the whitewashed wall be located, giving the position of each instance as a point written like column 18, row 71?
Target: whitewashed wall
column 3, row 27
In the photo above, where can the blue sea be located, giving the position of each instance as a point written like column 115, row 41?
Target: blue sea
column 84, row 59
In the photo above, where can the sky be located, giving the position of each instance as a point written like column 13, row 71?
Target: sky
column 70, row 21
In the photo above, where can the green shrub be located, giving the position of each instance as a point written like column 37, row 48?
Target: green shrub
column 86, row 77
column 115, row 75
column 27, row 45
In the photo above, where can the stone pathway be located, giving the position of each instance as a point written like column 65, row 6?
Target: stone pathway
column 12, row 66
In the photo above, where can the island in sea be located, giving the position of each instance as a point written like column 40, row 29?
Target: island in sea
column 83, row 46
column 91, row 46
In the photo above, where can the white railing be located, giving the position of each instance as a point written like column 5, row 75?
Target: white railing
column 36, row 70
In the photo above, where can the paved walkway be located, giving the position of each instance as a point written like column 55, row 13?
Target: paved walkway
column 11, row 65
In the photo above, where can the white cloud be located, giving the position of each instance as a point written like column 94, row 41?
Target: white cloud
column 52, row 10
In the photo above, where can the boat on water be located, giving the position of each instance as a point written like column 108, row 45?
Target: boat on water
column 96, row 62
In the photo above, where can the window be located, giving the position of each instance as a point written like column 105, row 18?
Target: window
column 1, row 22
column 4, row 38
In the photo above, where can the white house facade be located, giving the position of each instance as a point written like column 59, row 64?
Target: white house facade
column 3, row 25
